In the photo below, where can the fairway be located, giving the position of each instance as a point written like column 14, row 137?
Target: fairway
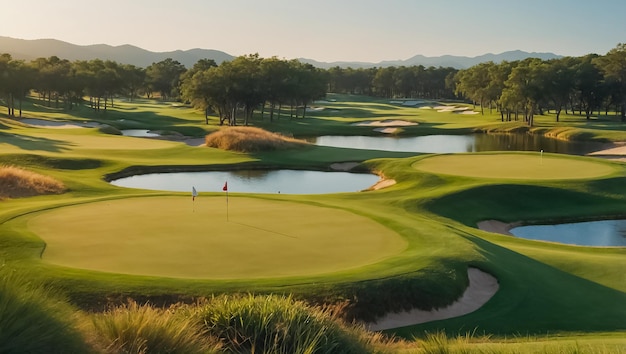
column 175, row 237
column 514, row 166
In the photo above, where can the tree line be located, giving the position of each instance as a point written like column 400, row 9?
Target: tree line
column 250, row 83
column 531, row 86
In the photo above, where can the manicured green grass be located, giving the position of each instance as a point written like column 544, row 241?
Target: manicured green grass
column 544, row 288
column 515, row 166
column 178, row 237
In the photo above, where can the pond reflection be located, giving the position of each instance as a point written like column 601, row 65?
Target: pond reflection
column 253, row 181
column 459, row 143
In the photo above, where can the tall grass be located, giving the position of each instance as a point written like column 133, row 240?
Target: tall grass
column 250, row 139
column 35, row 319
column 145, row 329
column 16, row 183
column 278, row 324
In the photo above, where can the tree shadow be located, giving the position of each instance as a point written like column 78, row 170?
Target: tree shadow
column 34, row 143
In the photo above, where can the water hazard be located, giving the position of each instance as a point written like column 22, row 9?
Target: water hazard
column 459, row 143
column 591, row 233
column 253, row 181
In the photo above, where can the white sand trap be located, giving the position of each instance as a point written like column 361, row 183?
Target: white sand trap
column 468, row 112
column 383, row 183
column 315, row 109
column 388, row 130
column 385, row 123
column 58, row 124
column 616, row 149
column 482, row 287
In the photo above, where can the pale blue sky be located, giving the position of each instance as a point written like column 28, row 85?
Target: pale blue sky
column 327, row 30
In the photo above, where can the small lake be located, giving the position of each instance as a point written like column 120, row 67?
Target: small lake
column 591, row 233
column 459, row 143
column 141, row 133
column 253, row 181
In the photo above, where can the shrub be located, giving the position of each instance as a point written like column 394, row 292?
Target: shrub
column 34, row 319
column 249, row 139
column 16, row 182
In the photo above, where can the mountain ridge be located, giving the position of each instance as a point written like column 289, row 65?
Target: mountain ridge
column 29, row 49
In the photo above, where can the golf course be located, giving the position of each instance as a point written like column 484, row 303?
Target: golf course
column 412, row 245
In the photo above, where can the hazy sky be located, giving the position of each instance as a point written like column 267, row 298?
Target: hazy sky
column 327, row 30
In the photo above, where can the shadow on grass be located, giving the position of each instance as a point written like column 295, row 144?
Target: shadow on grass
column 534, row 298
column 34, row 143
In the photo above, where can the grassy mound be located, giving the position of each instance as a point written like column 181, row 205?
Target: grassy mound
column 249, row 139
column 17, row 183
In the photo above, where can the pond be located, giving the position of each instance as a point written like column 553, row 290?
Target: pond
column 141, row 133
column 253, row 181
column 591, row 233
column 459, row 143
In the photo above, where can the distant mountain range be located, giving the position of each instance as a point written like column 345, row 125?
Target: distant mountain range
column 128, row 54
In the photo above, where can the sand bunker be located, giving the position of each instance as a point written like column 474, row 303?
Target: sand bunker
column 383, row 183
column 385, row 123
column 482, row 287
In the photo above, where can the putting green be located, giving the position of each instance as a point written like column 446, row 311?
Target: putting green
column 175, row 237
column 514, row 166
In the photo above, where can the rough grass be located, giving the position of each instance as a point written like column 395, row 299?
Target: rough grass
column 250, row 139
column 18, row 183
column 279, row 324
column 132, row 328
column 35, row 319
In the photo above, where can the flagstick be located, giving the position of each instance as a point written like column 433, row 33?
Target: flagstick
column 227, row 205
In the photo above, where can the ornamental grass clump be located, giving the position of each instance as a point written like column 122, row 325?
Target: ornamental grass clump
column 132, row 328
column 18, row 183
column 278, row 324
column 250, row 139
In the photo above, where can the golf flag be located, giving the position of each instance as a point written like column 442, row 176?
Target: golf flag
column 225, row 188
column 194, row 193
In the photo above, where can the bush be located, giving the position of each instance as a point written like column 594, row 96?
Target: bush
column 249, row 139
column 16, row 182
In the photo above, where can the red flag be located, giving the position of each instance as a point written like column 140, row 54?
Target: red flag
column 225, row 189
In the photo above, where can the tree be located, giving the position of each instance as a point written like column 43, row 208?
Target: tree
column 559, row 82
column 588, row 84
column 613, row 65
column 164, row 77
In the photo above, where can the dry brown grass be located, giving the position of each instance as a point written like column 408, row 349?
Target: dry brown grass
column 249, row 139
column 18, row 183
